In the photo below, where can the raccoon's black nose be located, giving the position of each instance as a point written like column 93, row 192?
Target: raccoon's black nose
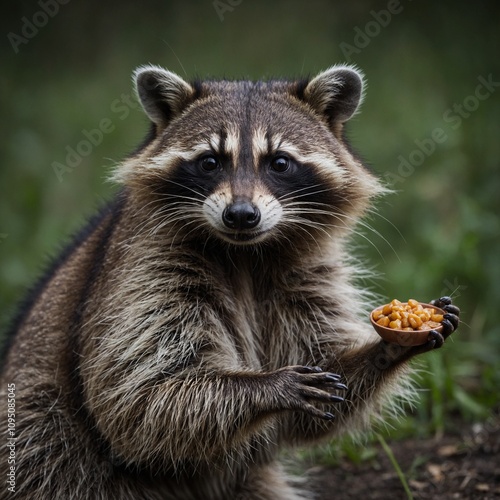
column 241, row 215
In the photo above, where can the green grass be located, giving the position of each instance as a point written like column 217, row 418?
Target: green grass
column 396, row 466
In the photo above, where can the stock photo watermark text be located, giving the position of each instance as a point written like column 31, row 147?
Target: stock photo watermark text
column 92, row 138
column 453, row 117
column 11, row 437
column 32, row 25
column 364, row 35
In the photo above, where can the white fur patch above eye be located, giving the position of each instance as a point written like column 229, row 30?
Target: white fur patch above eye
column 276, row 142
column 322, row 160
column 165, row 159
column 214, row 142
column 159, row 163
column 260, row 146
column 232, row 143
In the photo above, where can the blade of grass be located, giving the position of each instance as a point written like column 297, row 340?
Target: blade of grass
column 396, row 466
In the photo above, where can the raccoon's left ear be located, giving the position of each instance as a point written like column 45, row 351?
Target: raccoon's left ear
column 163, row 94
column 335, row 93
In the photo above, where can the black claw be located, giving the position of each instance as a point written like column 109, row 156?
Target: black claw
column 447, row 327
column 316, row 369
column 437, row 338
column 332, row 377
column 341, row 386
column 452, row 309
column 453, row 319
column 336, row 399
column 431, row 344
column 445, row 300
column 328, row 416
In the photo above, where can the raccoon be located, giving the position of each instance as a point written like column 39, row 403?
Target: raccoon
column 207, row 317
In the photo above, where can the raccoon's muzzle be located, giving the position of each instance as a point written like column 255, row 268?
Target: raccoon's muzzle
column 241, row 215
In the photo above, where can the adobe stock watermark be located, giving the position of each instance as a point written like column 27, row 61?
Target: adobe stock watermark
column 452, row 289
column 11, row 438
column 120, row 109
column 223, row 6
column 453, row 117
column 31, row 27
column 363, row 36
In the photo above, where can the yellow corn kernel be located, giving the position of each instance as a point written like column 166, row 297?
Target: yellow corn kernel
column 405, row 323
column 383, row 321
column 413, row 303
column 396, row 324
column 387, row 310
column 414, row 321
column 425, row 316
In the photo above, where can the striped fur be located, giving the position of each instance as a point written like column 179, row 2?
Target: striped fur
column 159, row 360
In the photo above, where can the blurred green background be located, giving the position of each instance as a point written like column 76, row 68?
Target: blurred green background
column 429, row 126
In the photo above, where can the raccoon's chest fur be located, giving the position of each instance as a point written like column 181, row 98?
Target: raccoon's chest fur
column 267, row 314
column 245, row 323
column 253, row 308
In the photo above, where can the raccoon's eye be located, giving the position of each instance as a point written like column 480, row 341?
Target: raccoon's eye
column 280, row 164
column 209, row 163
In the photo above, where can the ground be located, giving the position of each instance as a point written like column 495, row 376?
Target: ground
column 462, row 465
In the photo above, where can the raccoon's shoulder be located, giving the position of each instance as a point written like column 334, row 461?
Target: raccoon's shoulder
column 55, row 263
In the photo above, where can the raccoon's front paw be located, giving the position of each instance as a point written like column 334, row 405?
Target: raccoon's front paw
column 450, row 324
column 302, row 386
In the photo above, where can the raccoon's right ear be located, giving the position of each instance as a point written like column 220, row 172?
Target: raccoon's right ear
column 163, row 94
column 335, row 93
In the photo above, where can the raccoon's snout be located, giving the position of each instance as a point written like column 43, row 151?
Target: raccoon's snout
column 241, row 215
column 242, row 220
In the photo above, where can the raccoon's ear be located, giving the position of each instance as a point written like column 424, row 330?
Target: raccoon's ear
column 335, row 93
column 163, row 94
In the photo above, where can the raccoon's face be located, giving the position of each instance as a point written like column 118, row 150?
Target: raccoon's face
column 249, row 162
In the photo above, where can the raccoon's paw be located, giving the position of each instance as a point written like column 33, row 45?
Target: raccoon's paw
column 450, row 324
column 305, row 385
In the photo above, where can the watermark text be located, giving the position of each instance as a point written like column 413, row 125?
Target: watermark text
column 11, row 437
